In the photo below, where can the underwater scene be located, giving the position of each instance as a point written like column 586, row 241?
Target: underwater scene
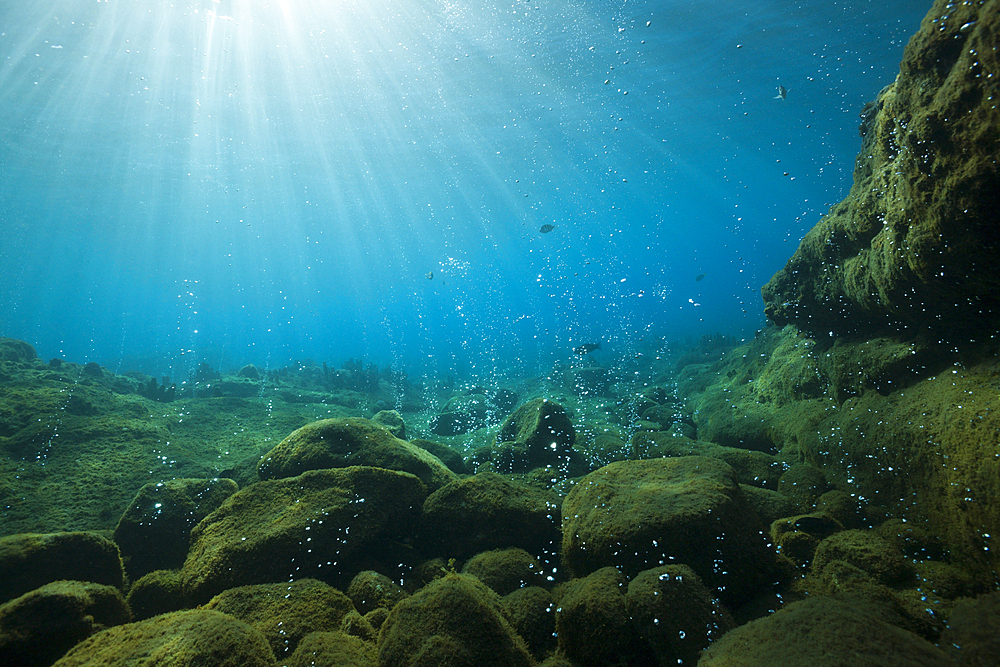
column 575, row 333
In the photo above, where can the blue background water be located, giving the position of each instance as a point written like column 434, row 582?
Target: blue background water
column 248, row 181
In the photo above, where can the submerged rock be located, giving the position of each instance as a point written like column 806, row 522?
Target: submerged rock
column 339, row 443
column 39, row 627
column 914, row 245
column 327, row 524
column 154, row 531
column 455, row 621
column 637, row 515
column 197, row 637
column 30, row 560
column 822, row 632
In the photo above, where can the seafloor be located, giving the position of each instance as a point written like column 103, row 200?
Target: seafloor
column 826, row 492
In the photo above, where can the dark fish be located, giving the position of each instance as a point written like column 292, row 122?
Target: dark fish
column 587, row 348
column 546, row 229
column 782, row 93
column 698, row 278
column 430, row 275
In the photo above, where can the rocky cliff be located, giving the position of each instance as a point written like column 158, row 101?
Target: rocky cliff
column 913, row 248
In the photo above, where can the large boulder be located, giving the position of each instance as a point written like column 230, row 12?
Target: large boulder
column 181, row 639
column 343, row 442
column 455, row 621
column 30, row 560
column 327, row 524
column 39, row 627
column 914, row 245
column 154, row 531
column 487, row 511
column 638, row 515
column 822, row 632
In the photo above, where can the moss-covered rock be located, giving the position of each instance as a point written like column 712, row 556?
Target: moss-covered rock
column 327, row 524
column 867, row 551
column 637, row 515
column 37, row 628
column 971, row 637
column 914, row 245
column 196, row 637
column 456, row 621
column 675, row 613
column 593, row 624
column 370, row 590
column 340, row 443
column 488, row 511
column 532, row 613
column 821, row 632
column 154, row 531
column 537, row 434
column 285, row 613
column 30, row 560
column 332, row 649
column 505, row 570
column 158, row 592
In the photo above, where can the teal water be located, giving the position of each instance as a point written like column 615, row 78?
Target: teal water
column 239, row 181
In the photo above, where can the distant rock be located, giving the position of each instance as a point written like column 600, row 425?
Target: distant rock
column 538, row 434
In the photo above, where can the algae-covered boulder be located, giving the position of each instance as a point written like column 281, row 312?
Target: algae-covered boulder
column 17, row 351
column 455, row 621
column 673, row 611
column 327, row 524
column 332, row 649
column 532, row 613
column 39, row 627
column 593, row 624
column 505, row 570
column 181, row 639
column 822, row 632
column 971, row 637
column 487, row 511
column 30, row 560
column 914, row 245
column 154, row 531
column 392, row 421
column 158, row 592
column 867, row 551
column 285, row 613
column 537, row 434
column 637, row 515
column 370, row 590
column 339, row 443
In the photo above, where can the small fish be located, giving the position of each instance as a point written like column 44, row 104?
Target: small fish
column 546, row 229
column 782, row 93
column 698, row 278
column 587, row 348
column 429, row 275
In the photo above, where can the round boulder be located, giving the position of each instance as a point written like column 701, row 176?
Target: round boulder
column 344, row 442
column 637, row 515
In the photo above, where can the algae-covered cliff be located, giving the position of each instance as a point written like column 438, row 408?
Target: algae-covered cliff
column 913, row 246
column 883, row 372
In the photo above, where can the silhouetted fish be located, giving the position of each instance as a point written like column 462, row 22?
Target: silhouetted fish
column 587, row 348
column 782, row 93
column 698, row 278
column 546, row 229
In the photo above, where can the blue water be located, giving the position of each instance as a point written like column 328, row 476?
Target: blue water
column 251, row 181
